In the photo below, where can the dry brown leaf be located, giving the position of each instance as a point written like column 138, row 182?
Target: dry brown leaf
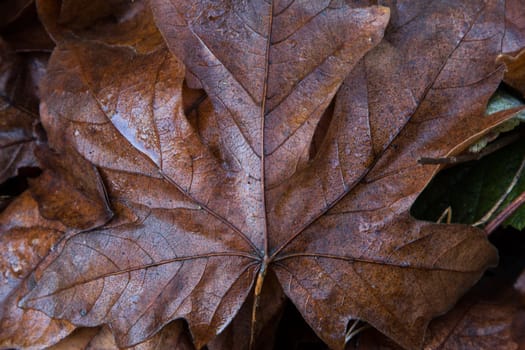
column 16, row 140
column 25, row 238
column 77, row 199
column 16, row 125
column 237, row 335
column 475, row 324
column 173, row 336
column 514, row 39
column 486, row 318
column 24, row 50
column 224, row 197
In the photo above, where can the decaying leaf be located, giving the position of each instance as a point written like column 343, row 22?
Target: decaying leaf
column 237, row 334
column 513, row 52
column 16, row 125
column 77, row 199
column 475, row 324
column 488, row 317
column 172, row 336
column 24, row 50
column 16, row 140
column 514, row 39
column 25, row 239
column 471, row 325
column 251, row 151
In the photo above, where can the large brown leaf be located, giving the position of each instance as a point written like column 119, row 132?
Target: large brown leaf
column 221, row 201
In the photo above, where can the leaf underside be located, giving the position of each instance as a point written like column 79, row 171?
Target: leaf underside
column 212, row 203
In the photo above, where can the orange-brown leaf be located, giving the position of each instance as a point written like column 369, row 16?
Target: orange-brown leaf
column 224, row 198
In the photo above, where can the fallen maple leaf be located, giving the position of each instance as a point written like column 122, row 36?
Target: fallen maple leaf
column 218, row 206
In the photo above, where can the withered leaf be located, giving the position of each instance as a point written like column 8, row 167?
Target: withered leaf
column 16, row 125
column 172, row 336
column 486, row 318
column 483, row 319
column 475, row 325
column 25, row 238
column 22, row 65
column 514, row 39
column 96, row 20
column 238, row 333
column 17, row 142
column 223, row 201
column 24, row 50
column 77, row 199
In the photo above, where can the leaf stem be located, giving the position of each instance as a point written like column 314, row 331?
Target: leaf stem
column 447, row 213
column 257, row 300
column 352, row 332
column 462, row 158
column 505, row 213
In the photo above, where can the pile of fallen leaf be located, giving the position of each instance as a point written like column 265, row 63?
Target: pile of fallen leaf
column 222, row 173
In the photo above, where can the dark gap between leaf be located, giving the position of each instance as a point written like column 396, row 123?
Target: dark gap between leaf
column 471, row 188
column 191, row 100
column 294, row 333
column 322, row 129
column 511, row 91
column 14, row 186
column 511, row 247
column 18, row 184
column 26, row 17
column 26, row 33
column 196, row 109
